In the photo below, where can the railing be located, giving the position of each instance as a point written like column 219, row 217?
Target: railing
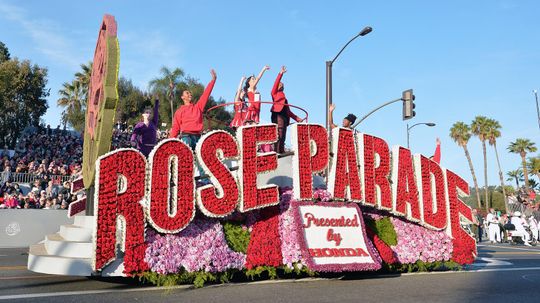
column 30, row 178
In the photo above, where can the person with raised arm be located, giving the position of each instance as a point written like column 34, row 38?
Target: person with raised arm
column 347, row 121
column 144, row 136
column 239, row 106
column 254, row 98
column 188, row 119
column 281, row 113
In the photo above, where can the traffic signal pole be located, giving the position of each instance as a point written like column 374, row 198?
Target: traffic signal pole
column 376, row 109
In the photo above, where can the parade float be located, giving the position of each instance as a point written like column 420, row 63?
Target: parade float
column 377, row 208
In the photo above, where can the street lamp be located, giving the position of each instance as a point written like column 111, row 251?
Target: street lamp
column 364, row 32
column 430, row 124
column 537, row 108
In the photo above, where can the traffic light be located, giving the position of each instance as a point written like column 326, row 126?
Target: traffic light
column 408, row 104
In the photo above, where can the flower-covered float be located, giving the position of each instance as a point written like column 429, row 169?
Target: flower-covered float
column 381, row 208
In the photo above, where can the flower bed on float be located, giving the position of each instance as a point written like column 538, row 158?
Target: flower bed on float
column 381, row 209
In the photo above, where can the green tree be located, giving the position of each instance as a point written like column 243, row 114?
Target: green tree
column 516, row 175
column 73, row 100
column 461, row 133
column 534, row 166
column 131, row 101
column 83, row 77
column 493, row 132
column 22, row 96
column 522, row 147
column 4, row 53
column 479, row 128
column 167, row 86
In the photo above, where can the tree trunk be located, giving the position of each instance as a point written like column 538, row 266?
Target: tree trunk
column 501, row 177
column 525, row 172
column 473, row 175
column 517, row 182
column 485, row 176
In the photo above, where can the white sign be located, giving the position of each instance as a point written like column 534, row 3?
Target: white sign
column 333, row 237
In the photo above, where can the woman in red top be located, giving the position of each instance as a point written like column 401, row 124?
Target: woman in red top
column 254, row 98
column 240, row 111
column 188, row 119
column 281, row 113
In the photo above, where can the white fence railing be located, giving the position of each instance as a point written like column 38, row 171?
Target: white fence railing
column 30, row 178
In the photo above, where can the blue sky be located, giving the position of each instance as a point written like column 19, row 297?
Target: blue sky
column 462, row 58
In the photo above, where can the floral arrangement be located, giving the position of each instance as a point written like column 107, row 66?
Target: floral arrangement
column 199, row 247
column 418, row 243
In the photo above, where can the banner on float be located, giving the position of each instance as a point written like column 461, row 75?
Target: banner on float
column 333, row 237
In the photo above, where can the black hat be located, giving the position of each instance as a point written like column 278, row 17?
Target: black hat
column 351, row 118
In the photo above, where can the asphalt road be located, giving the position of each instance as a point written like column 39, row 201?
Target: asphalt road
column 502, row 273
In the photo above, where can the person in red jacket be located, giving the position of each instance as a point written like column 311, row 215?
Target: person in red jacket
column 188, row 119
column 254, row 98
column 281, row 113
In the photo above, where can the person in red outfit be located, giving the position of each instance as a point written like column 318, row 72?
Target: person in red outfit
column 240, row 110
column 281, row 113
column 188, row 119
column 254, row 98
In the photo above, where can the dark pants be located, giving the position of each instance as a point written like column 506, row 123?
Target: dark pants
column 282, row 120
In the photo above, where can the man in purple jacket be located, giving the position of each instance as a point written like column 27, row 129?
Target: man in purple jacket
column 144, row 135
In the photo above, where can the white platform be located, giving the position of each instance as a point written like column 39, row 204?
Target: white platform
column 68, row 252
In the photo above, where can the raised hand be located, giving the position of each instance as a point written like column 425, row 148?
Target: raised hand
column 213, row 73
column 283, row 69
column 332, row 107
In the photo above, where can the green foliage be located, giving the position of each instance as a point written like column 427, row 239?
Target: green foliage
column 198, row 279
column 131, row 102
column 384, row 229
column 421, row 266
column 237, row 237
column 269, row 272
column 4, row 52
column 22, row 96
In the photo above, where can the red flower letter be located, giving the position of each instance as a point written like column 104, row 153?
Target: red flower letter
column 251, row 164
column 219, row 199
column 344, row 181
column 172, row 192
column 120, row 179
column 310, row 145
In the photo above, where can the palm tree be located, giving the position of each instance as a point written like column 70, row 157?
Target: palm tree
column 516, row 175
column 479, row 128
column 493, row 132
column 522, row 147
column 534, row 166
column 84, row 77
column 461, row 133
column 166, row 85
column 73, row 101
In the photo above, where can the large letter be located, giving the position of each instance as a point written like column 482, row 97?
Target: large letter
column 464, row 244
column 172, row 187
column 310, row 146
column 251, row 164
column 344, row 180
column 404, row 190
column 430, row 180
column 220, row 198
column 120, row 177
column 376, row 170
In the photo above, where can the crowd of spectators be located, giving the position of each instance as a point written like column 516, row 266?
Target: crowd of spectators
column 44, row 154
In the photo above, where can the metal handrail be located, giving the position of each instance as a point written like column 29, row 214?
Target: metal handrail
column 260, row 102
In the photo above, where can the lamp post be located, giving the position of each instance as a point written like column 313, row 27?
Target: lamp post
column 430, row 124
column 537, row 108
column 364, row 32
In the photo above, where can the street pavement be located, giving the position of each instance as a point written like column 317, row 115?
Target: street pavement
column 502, row 273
